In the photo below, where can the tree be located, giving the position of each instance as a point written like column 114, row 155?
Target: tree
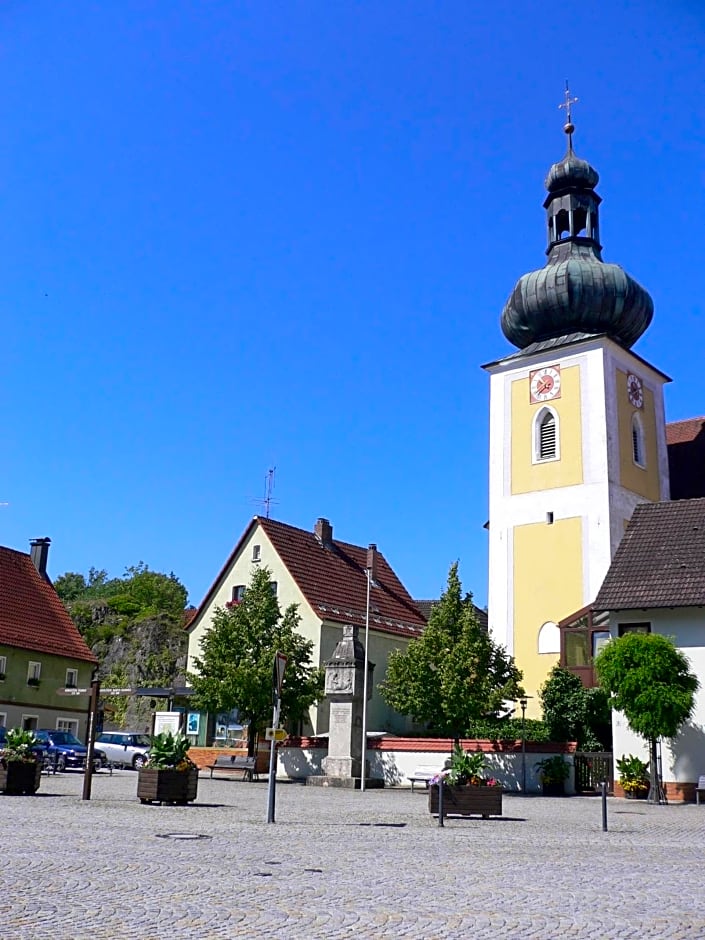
column 454, row 674
column 234, row 669
column 574, row 713
column 650, row 682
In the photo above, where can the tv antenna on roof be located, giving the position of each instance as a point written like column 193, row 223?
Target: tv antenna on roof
column 268, row 499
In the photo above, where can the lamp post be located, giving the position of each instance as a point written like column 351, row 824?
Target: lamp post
column 522, row 701
column 364, row 681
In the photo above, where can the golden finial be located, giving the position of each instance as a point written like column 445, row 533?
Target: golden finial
column 568, row 127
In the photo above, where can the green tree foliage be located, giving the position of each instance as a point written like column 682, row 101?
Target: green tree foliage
column 574, row 713
column 454, row 674
column 650, row 682
column 234, row 669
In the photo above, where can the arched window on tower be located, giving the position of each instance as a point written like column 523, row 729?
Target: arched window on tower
column 546, row 438
column 562, row 225
column 638, row 449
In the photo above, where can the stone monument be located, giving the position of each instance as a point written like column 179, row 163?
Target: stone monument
column 344, row 687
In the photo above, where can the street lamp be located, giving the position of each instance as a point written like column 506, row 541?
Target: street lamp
column 522, row 702
column 364, row 680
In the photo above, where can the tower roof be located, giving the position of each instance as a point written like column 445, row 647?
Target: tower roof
column 576, row 291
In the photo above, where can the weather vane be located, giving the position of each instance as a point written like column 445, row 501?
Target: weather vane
column 568, row 127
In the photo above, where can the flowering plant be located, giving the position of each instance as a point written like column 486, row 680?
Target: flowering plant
column 19, row 746
column 633, row 774
column 466, row 769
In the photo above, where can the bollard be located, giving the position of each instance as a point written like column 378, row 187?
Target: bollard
column 440, row 803
column 603, row 786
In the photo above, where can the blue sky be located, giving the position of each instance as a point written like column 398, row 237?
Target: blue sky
column 239, row 235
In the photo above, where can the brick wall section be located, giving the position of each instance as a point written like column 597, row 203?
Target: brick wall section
column 675, row 792
column 203, row 757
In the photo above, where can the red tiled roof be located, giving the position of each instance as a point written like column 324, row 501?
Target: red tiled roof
column 31, row 615
column 686, row 457
column 427, row 606
column 334, row 582
column 660, row 561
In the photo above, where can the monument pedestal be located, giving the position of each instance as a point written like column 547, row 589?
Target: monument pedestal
column 346, row 783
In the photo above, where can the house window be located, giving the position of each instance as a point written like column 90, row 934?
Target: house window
column 34, row 672
column 638, row 450
column 256, row 552
column 624, row 628
column 3, row 667
column 71, row 679
column 577, row 650
column 238, row 593
column 67, row 724
column 273, row 587
column 549, row 638
column 546, row 435
column 600, row 639
column 30, row 722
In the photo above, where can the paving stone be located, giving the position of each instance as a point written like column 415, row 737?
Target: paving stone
column 340, row 863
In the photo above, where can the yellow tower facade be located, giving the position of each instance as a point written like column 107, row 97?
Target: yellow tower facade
column 577, row 429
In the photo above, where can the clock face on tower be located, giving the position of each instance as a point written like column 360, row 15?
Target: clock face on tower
column 635, row 390
column 545, row 384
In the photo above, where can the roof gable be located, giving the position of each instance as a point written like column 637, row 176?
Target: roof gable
column 32, row 616
column 332, row 580
column 660, row 561
column 686, row 457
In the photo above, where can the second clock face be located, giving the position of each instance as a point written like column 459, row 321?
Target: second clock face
column 545, row 384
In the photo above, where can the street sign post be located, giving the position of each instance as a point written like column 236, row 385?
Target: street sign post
column 280, row 661
column 275, row 734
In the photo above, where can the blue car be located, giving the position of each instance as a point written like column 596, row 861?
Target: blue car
column 64, row 750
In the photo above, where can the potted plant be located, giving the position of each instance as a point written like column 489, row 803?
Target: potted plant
column 467, row 790
column 20, row 767
column 168, row 776
column 633, row 776
column 554, row 772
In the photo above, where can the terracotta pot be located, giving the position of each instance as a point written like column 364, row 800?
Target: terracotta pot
column 466, row 801
column 167, row 786
column 20, row 776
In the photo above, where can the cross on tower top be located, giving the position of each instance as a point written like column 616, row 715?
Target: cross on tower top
column 568, row 127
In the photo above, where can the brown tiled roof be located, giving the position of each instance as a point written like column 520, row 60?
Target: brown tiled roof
column 333, row 580
column 660, row 561
column 31, row 615
column 686, row 457
column 427, row 606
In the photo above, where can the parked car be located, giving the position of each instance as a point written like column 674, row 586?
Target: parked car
column 129, row 748
column 66, row 750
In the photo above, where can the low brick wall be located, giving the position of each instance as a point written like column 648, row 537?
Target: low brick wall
column 203, row 757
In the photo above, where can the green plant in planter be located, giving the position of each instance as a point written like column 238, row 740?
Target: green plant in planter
column 633, row 775
column 168, row 752
column 553, row 770
column 466, row 769
column 18, row 746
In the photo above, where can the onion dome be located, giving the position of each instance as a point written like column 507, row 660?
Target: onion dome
column 576, row 292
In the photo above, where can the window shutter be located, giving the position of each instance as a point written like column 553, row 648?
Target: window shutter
column 547, row 438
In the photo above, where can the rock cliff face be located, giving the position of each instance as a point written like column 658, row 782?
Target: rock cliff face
column 132, row 653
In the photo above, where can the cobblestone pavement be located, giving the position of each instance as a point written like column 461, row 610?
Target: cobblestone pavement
column 339, row 864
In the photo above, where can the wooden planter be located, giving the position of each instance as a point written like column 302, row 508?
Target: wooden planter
column 167, row 786
column 466, row 801
column 20, row 776
column 557, row 788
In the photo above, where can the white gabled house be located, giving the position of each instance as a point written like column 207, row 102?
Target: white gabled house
column 327, row 579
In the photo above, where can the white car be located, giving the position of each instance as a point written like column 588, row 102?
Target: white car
column 129, row 748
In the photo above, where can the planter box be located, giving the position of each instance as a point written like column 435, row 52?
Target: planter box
column 467, row 801
column 553, row 789
column 20, row 776
column 167, row 786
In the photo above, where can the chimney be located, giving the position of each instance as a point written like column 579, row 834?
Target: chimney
column 372, row 560
column 39, row 554
column 323, row 531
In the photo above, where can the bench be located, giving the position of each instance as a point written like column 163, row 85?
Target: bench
column 700, row 788
column 423, row 775
column 246, row 765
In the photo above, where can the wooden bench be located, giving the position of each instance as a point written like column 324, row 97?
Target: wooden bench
column 246, row 765
column 423, row 775
column 699, row 788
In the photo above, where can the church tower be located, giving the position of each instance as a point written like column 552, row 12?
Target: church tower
column 577, row 428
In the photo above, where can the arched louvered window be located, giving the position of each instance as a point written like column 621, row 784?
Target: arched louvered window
column 638, row 450
column 546, row 435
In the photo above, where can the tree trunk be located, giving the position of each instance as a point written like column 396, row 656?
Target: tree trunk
column 654, row 795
